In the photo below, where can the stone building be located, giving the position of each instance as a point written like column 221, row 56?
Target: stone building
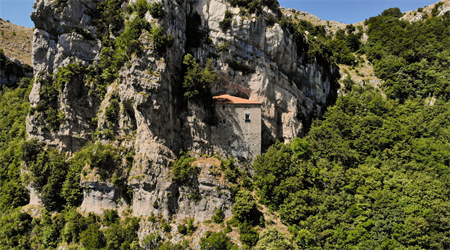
column 238, row 131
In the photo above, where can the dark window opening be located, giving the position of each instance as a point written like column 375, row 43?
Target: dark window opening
column 223, row 106
column 247, row 118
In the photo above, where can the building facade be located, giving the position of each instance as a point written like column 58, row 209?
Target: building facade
column 238, row 131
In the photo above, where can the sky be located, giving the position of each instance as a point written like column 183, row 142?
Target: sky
column 346, row 11
column 352, row 11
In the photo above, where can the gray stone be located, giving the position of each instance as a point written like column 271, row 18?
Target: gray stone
column 154, row 120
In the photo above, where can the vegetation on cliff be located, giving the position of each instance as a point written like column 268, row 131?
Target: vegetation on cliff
column 372, row 173
column 412, row 58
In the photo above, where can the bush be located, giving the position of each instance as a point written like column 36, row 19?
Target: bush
column 112, row 111
column 244, row 208
column 156, row 10
column 218, row 216
column 223, row 47
column 141, row 8
column 270, row 20
column 48, row 170
column 110, row 216
column 166, row 227
column 182, row 229
column 183, row 172
column 161, row 40
column 51, row 88
column 347, row 83
column 122, row 234
column 216, row 241
column 92, row 237
column 190, row 226
column 197, row 81
column 226, row 22
column 273, row 239
column 248, row 235
column 435, row 10
column 151, row 241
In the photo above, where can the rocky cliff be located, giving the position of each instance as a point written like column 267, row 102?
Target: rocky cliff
column 12, row 71
column 81, row 92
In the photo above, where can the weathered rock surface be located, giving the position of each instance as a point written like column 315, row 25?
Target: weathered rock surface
column 12, row 71
column 153, row 114
column 99, row 196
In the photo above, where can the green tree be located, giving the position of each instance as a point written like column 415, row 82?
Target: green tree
column 272, row 239
column 244, row 208
column 216, row 241
column 197, row 81
column 184, row 172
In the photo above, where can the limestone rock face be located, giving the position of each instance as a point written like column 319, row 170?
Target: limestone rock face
column 256, row 60
column 277, row 76
column 98, row 196
column 54, row 39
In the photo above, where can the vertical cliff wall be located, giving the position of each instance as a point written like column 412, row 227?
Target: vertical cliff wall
column 81, row 92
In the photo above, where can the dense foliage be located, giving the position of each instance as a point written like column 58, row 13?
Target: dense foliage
column 372, row 174
column 20, row 230
column 413, row 58
column 184, row 172
column 14, row 106
column 197, row 80
column 216, row 241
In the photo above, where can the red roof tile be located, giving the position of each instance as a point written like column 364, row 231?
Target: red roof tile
column 228, row 99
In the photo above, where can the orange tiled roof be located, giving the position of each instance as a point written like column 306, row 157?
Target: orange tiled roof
column 228, row 99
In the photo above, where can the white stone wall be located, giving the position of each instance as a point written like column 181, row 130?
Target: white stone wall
column 235, row 136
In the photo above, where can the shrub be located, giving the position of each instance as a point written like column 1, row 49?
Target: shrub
column 226, row 22
column 190, row 226
column 156, row 10
column 195, row 195
column 248, row 235
column 270, row 20
column 216, row 241
column 48, row 169
column 152, row 218
column 166, row 227
column 51, row 87
column 435, row 10
column 92, row 237
column 151, row 241
column 273, row 239
column 218, row 216
column 197, row 81
column 182, row 229
column 103, row 156
column 110, row 216
column 183, row 172
column 223, row 47
column 161, row 40
column 347, row 83
column 245, row 206
column 112, row 111
column 141, row 8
